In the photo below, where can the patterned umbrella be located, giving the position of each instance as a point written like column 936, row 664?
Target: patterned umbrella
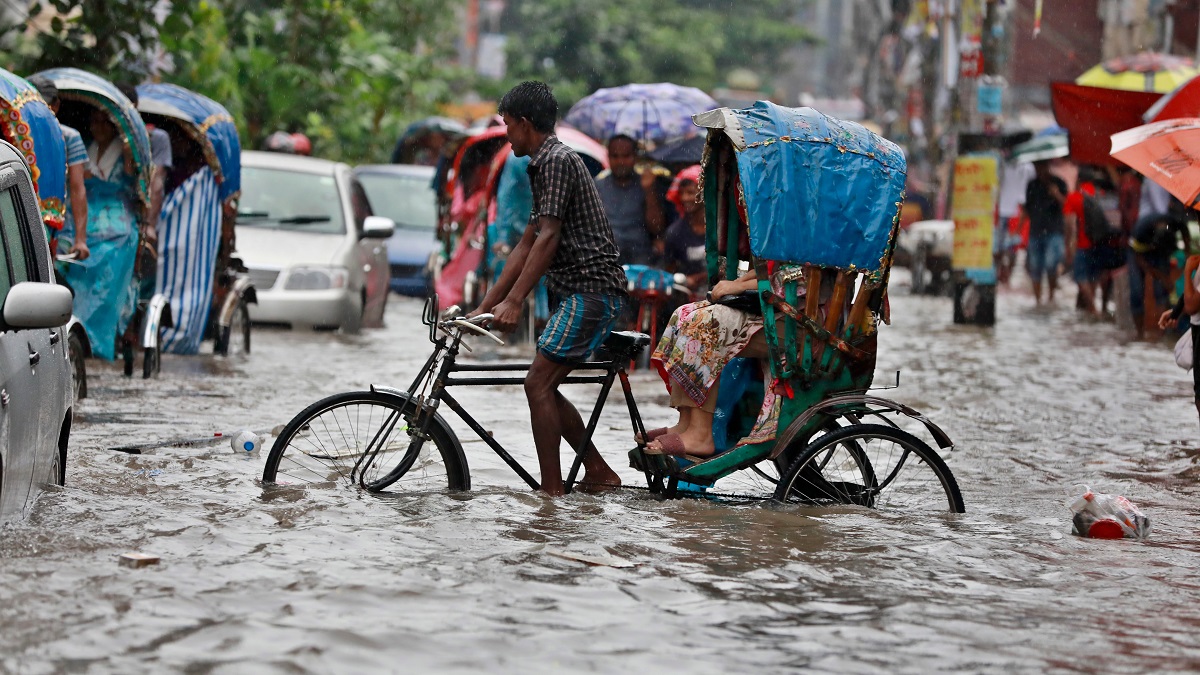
column 1144, row 71
column 653, row 112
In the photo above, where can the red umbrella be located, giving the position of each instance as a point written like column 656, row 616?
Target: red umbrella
column 1184, row 101
column 1092, row 114
column 1167, row 153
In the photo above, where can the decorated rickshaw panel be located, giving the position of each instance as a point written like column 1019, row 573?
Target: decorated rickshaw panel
column 30, row 125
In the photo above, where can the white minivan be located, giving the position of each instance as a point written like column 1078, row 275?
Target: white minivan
column 316, row 254
column 35, row 372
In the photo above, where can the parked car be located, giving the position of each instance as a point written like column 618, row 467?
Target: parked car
column 35, row 371
column 404, row 193
column 315, row 252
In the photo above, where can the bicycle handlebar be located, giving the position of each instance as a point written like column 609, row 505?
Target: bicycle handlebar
column 472, row 325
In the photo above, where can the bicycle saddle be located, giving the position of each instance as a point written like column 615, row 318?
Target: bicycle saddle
column 625, row 344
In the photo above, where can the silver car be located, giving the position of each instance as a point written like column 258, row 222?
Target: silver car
column 316, row 254
column 35, row 373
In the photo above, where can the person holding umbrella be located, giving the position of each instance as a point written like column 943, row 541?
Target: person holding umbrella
column 631, row 203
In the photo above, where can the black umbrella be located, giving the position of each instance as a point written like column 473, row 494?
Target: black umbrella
column 684, row 151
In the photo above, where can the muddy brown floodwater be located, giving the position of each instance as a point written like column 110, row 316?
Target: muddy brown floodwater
column 332, row 580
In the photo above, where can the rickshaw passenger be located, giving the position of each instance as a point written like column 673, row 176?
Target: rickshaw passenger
column 104, row 298
column 698, row 343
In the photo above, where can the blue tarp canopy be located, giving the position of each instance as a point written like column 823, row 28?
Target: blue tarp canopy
column 76, row 84
column 209, row 124
column 817, row 190
column 30, row 125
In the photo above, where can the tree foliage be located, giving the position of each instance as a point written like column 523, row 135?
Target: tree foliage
column 349, row 73
column 582, row 45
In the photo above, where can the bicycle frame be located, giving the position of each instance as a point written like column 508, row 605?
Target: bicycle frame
column 439, row 377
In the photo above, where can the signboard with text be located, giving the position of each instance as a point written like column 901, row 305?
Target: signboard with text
column 976, row 184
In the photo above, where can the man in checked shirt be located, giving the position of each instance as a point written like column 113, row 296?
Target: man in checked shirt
column 570, row 242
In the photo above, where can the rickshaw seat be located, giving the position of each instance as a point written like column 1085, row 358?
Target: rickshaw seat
column 625, row 345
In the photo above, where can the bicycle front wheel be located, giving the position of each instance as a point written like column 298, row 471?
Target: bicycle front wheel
column 369, row 439
column 871, row 465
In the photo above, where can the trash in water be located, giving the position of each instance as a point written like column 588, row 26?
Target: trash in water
column 246, row 442
column 1102, row 516
column 151, row 474
column 136, row 560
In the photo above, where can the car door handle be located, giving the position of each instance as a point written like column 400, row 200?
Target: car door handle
column 34, row 357
column 54, row 337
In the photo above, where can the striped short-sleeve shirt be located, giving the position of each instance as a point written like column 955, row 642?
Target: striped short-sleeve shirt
column 586, row 258
column 76, row 153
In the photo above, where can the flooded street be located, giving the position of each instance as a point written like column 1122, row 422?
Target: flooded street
column 332, row 580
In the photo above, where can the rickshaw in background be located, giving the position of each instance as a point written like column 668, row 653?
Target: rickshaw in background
column 30, row 125
column 423, row 141
column 460, row 186
column 204, row 282
column 139, row 323
column 810, row 204
column 499, row 213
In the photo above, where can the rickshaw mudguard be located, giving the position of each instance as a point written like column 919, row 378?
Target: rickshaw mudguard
column 242, row 289
column 156, row 317
column 852, row 403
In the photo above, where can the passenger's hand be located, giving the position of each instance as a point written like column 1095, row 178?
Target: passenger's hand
column 150, row 235
column 80, row 250
column 506, row 316
column 724, row 288
column 1165, row 320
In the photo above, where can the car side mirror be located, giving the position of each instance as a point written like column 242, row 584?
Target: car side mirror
column 378, row 227
column 32, row 304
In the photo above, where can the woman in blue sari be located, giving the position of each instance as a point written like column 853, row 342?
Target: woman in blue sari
column 105, row 294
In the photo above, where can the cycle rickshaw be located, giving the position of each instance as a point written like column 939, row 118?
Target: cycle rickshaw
column 139, row 325
column 816, row 202
column 197, row 269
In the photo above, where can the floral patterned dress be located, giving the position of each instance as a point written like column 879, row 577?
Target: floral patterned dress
column 698, row 343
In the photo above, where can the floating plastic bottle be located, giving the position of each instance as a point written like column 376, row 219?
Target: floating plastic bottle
column 246, row 442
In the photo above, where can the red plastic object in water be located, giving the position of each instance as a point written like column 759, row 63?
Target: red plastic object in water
column 1106, row 528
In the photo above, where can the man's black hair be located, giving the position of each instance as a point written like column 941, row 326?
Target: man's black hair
column 130, row 92
column 46, row 88
column 535, row 102
column 623, row 137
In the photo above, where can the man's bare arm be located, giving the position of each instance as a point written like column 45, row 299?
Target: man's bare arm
column 79, row 210
column 512, row 269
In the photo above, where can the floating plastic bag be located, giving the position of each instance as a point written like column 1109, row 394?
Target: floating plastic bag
column 1102, row 516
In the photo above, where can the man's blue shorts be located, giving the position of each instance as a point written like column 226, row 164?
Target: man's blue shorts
column 1045, row 253
column 579, row 325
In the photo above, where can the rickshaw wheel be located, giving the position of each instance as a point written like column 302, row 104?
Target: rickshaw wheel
column 236, row 334
column 331, row 441
column 127, row 357
column 871, row 465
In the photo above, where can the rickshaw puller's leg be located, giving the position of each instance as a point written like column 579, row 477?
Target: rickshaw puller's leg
column 541, row 390
column 596, row 472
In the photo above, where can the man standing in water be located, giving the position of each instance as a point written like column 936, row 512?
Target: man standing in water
column 1044, row 199
column 569, row 241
